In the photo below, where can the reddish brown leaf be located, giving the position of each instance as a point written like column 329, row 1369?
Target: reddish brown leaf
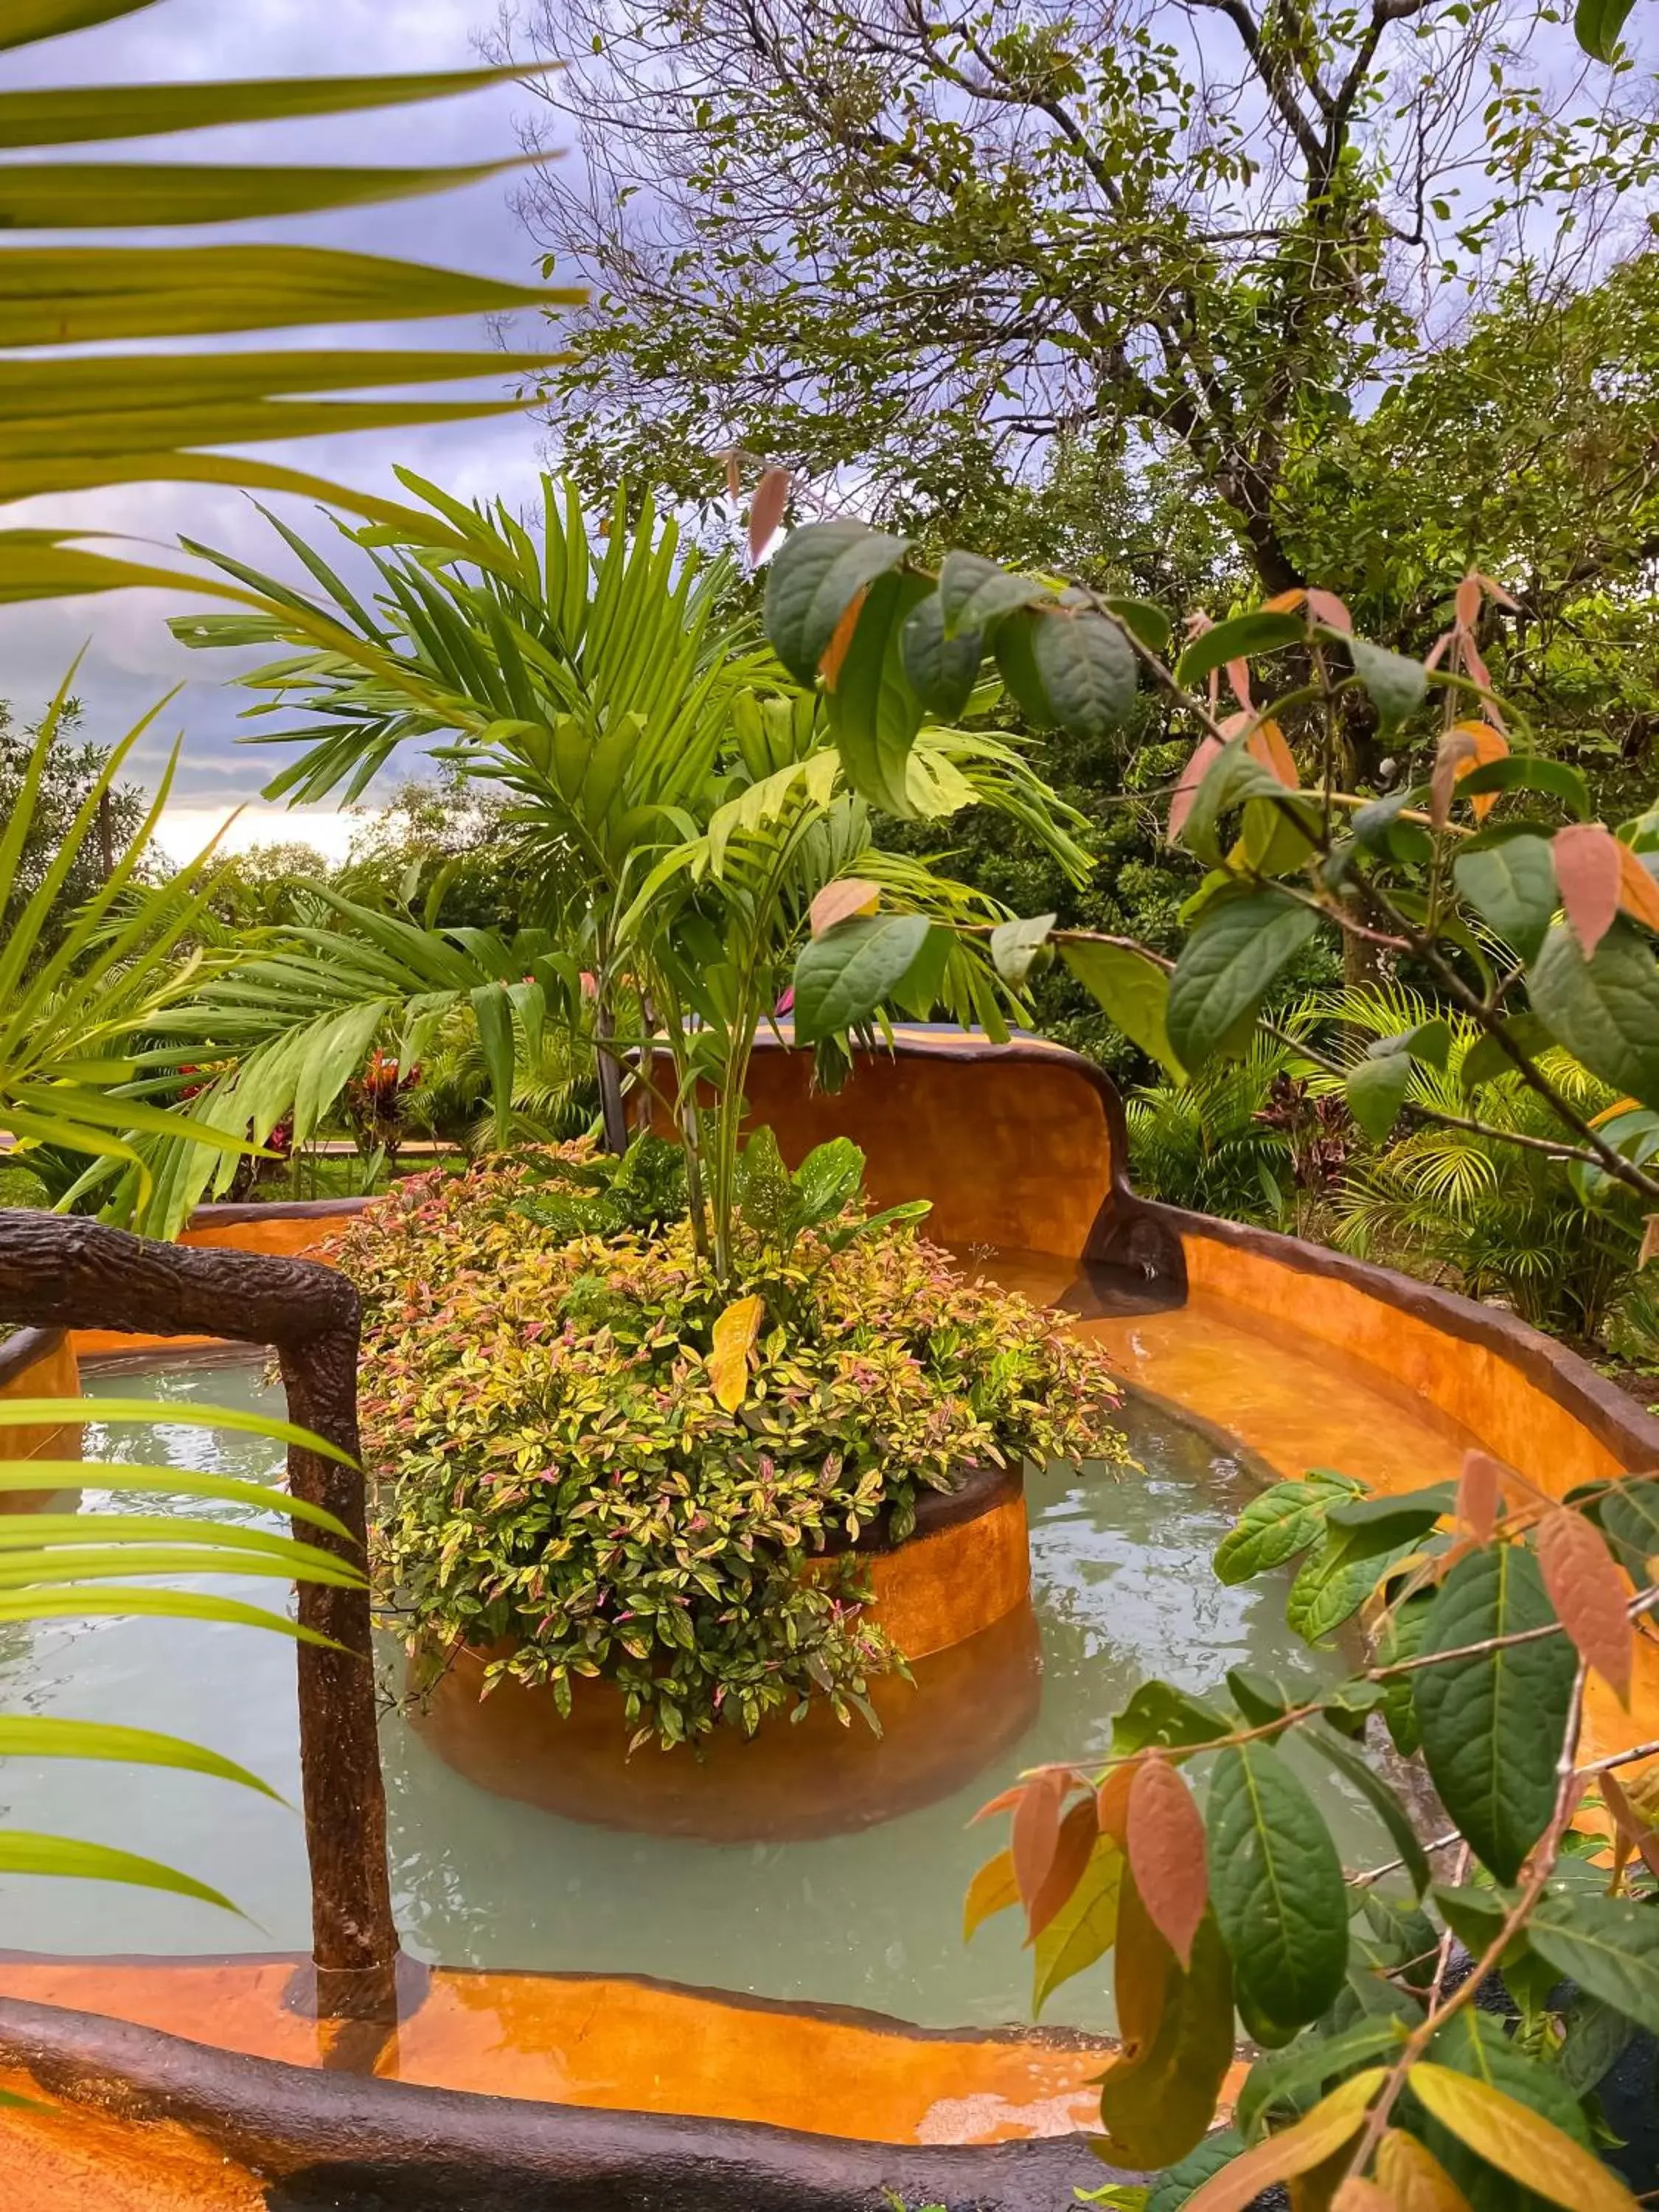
column 1166, row 1855
column 1589, row 1595
column 1285, row 603
column 1238, row 675
column 1112, row 1801
column 1454, row 755
column 766, row 510
column 1036, row 1834
column 1636, row 1833
column 835, row 652
column 1266, row 743
column 1187, row 790
column 1490, row 745
column 1588, row 877
column 840, row 901
column 1000, row 1803
column 1638, row 893
column 1078, row 1834
column 1437, row 652
column 1479, row 1490
column 1466, row 604
column 733, row 473
column 1496, row 592
column 1325, row 607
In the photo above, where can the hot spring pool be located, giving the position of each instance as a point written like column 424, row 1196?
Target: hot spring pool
column 1122, row 1589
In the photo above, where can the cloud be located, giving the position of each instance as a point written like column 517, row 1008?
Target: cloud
column 130, row 659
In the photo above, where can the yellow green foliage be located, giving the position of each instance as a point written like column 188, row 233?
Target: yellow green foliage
column 558, row 1481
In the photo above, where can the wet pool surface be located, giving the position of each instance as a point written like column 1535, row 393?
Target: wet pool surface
column 1122, row 1589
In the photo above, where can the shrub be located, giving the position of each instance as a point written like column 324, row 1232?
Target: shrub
column 562, row 1480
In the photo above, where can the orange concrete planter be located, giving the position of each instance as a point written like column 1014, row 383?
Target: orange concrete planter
column 954, row 1599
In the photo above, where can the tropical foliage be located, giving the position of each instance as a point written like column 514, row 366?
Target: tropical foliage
column 1489, row 1607
column 597, row 1460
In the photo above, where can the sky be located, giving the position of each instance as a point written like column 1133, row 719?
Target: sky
column 131, row 659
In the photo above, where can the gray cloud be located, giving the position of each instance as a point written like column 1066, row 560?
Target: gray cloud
column 130, row 658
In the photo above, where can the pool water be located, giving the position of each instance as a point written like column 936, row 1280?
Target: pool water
column 1122, row 1589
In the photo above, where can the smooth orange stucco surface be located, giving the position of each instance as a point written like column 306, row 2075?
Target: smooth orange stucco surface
column 78, row 2159
column 56, row 1374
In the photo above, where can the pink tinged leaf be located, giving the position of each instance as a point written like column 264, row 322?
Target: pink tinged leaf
column 1479, row 1491
column 1036, row 1834
column 1325, row 607
column 1589, row 1595
column 1496, row 592
column 766, row 511
column 1166, row 1855
column 1266, row 743
column 1454, row 754
column 1078, row 1834
column 1467, row 603
column 840, row 901
column 1588, row 875
column 733, row 474
column 1187, row 790
column 1001, row 1803
column 1476, row 666
column 1437, row 652
column 1238, row 675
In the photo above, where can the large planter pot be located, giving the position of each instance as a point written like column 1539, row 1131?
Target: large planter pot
column 954, row 1598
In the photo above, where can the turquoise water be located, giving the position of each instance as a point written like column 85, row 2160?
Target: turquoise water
column 1121, row 1589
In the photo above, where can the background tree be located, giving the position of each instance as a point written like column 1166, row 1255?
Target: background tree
column 68, row 775
column 938, row 254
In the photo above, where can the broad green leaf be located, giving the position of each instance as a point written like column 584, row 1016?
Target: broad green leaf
column 1629, row 1514
column 1277, row 1886
column 843, row 976
column 1597, row 2036
column 1015, row 945
column 1298, row 2149
column 24, row 1852
column 1474, row 2043
column 1512, row 886
column 1357, row 1771
column 1530, row 772
column 1227, row 966
column 1608, row 1945
column 1014, row 645
column 1289, row 2080
column 1157, row 1713
column 1596, row 25
column 1486, row 1059
column 1237, row 638
column 1158, row 2098
column 1375, row 1090
column 1605, row 1010
column 1286, row 1519
column 33, row 1735
column 874, row 714
column 1134, row 993
column 1492, row 1723
column 1177, row 2183
column 814, row 577
column 1372, row 1526
column 1141, row 618
column 1084, row 1927
column 1519, row 2142
column 942, row 670
column 1401, row 1638
column 1086, row 669
column 975, row 593
column 1397, row 687
column 1331, row 1587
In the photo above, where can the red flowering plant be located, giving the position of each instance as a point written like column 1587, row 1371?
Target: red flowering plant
column 596, row 1460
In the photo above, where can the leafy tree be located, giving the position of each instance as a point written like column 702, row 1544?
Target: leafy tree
column 938, row 257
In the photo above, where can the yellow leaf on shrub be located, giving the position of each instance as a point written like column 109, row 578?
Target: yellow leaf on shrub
column 1083, row 1929
column 728, row 1362
column 1518, row 2142
column 1414, row 2177
column 1293, row 2150
column 993, row 1889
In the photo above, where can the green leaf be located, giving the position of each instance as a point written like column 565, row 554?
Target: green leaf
column 1134, row 993
column 1083, row 1931
column 1629, row 1515
column 1530, row 772
column 843, row 976
column 1375, row 1090
column 1397, row 687
column 1331, row 1587
column 1157, row 1713
column 81, row 114
column 1141, row 618
column 1276, row 1883
column 1375, row 1525
column 874, row 714
column 1512, row 887
column 1597, row 2036
column 1401, row 1638
column 1015, row 945
column 1237, row 638
column 75, row 1413
column 1357, row 1771
column 1596, row 25
column 1492, row 1723
column 1227, row 966
column 1474, row 2044
column 976, row 594
column 1286, row 1519
column 24, row 1853
column 1293, row 2080
column 27, row 20
column 1486, row 1060
column 1259, row 1699
column 1086, row 669
column 1158, row 2098
column 814, row 577
column 1178, row 2182
column 1605, row 1010
column 1608, row 1945
column 1237, row 779
column 1015, row 647
column 941, row 670
column 107, row 195
column 33, row 1735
